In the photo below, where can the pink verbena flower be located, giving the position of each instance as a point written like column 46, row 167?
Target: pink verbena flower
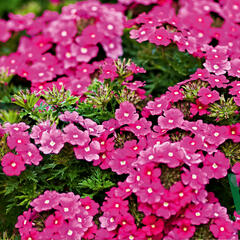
column 12, row 164
column 88, row 152
column 173, row 119
column 207, row 96
column 216, row 166
column 51, row 141
column 75, row 136
column 30, row 154
column 126, row 114
column 222, row 228
column 17, row 140
column 195, row 178
column 46, row 201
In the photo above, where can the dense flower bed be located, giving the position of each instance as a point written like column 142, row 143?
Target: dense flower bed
column 89, row 155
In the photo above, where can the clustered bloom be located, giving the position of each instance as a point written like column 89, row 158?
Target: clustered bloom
column 68, row 218
column 166, row 152
column 62, row 44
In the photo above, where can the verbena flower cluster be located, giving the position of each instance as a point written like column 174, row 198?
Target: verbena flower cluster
column 166, row 149
column 60, row 46
column 168, row 167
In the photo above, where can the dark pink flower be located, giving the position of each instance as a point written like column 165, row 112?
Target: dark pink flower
column 30, row 154
column 195, row 178
column 18, row 139
column 216, row 166
column 88, row 152
column 153, row 226
column 160, row 37
column 126, row 114
column 46, row 201
column 54, row 221
column 207, row 96
column 75, row 136
column 222, row 229
column 12, row 164
column 173, row 119
column 185, row 229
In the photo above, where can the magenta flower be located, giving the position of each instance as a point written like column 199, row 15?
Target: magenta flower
column 207, row 96
column 173, row 119
column 222, row 229
column 160, row 37
column 150, row 193
column 217, row 67
column 75, row 136
column 12, row 164
column 46, row 201
column 30, row 154
column 68, row 207
column 109, row 221
column 185, row 229
column 216, row 166
column 52, row 141
column 54, row 221
column 140, row 127
column 88, row 152
column 153, row 226
column 18, row 139
column 170, row 154
column 198, row 108
column 195, row 178
column 126, row 114
column 197, row 214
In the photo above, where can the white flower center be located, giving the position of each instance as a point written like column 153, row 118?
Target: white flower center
column 52, row 143
column 111, row 219
column 215, row 66
column 150, row 157
column 216, row 134
column 13, row 164
column 65, row 209
column 68, row 55
column 47, row 201
column 197, row 214
column 84, row 50
column 123, row 163
column 29, row 154
column 170, row 154
column 150, row 190
column 75, row 136
column 87, row 149
column 194, row 176
column 170, row 121
column 165, row 204
column 110, row 27
column 126, row 114
column 64, row 33
column 70, row 232
column 214, row 165
column 221, row 229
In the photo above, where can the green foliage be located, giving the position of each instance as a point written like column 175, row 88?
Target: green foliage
column 165, row 65
column 62, row 173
